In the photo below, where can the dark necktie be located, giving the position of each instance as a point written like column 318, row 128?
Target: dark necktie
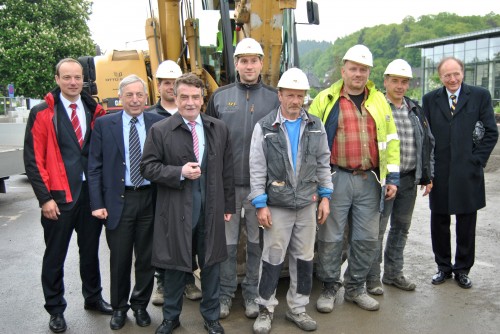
column 192, row 125
column 76, row 124
column 453, row 98
column 134, row 154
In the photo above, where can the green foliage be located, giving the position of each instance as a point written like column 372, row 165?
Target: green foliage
column 387, row 42
column 35, row 35
column 497, row 109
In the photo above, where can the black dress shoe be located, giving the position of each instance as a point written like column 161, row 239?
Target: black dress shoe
column 167, row 326
column 57, row 324
column 213, row 327
column 100, row 306
column 142, row 317
column 118, row 319
column 440, row 277
column 463, row 280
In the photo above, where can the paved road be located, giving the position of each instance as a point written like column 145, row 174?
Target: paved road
column 430, row 309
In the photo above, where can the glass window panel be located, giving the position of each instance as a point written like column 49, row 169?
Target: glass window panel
column 482, row 54
column 448, row 48
column 469, row 74
column 460, row 54
column 470, row 56
column 482, row 43
column 459, row 47
column 496, row 87
column 429, row 52
column 438, row 49
column 482, row 75
column 495, row 52
column 495, row 41
column 470, row 45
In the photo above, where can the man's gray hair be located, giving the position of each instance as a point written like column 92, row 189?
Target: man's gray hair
column 130, row 79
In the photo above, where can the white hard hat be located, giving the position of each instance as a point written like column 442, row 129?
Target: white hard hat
column 248, row 46
column 168, row 70
column 400, row 68
column 359, row 54
column 294, row 78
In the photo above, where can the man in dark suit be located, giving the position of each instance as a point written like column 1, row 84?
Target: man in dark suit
column 119, row 194
column 462, row 121
column 55, row 157
column 188, row 156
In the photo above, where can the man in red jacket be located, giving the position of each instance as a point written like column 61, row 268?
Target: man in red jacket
column 55, row 157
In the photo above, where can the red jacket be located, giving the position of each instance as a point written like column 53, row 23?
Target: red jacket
column 42, row 157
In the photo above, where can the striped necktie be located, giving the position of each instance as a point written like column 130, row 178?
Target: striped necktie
column 192, row 125
column 76, row 124
column 134, row 154
column 453, row 98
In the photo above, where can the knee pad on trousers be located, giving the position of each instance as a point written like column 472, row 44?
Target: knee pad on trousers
column 269, row 279
column 304, row 276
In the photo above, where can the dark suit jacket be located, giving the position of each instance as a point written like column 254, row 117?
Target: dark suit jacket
column 75, row 158
column 458, row 185
column 107, row 165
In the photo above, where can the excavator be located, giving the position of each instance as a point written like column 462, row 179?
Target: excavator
column 200, row 36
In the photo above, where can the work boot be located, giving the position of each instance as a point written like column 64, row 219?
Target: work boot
column 251, row 308
column 192, row 292
column 374, row 288
column 400, row 282
column 225, row 307
column 302, row 320
column 157, row 298
column 364, row 301
column 326, row 300
column 262, row 324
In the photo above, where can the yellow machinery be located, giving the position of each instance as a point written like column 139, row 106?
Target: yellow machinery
column 190, row 32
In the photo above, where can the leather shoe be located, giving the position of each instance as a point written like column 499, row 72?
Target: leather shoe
column 213, row 327
column 118, row 319
column 440, row 277
column 57, row 324
column 100, row 306
column 463, row 280
column 142, row 317
column 168, row 326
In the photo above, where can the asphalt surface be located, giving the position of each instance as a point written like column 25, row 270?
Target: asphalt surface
column 429, row 309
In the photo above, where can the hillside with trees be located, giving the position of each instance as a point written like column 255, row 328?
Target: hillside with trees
column 387, row 41
column 35, row 35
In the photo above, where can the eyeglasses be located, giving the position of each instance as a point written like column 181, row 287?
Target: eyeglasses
column 448, row 76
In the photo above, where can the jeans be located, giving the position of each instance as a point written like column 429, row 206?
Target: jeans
column 400, row 211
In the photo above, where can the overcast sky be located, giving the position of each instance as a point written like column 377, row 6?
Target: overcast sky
column 119, row 24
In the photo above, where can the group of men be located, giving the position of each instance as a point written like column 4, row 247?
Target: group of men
column 173, row 186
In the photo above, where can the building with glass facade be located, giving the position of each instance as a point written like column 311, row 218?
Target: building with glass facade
column 480, row 52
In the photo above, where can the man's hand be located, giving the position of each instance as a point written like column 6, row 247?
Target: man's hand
column 191, row 170
column 390, row 191
column 323, row 210
column 100, row 213
column 428, row 188
column 227, row 217
column 50, row 210
column 264, row 217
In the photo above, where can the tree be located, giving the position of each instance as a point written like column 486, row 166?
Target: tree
column 35, row 35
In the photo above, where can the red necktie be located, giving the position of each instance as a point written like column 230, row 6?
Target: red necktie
column 76, row 124
column 196, row 149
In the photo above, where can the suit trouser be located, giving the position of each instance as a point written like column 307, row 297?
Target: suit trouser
column 173, row 291
column 57, row 235
column 465, row 239
column 134, row 234
column 293, row 231
column 228, row 268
